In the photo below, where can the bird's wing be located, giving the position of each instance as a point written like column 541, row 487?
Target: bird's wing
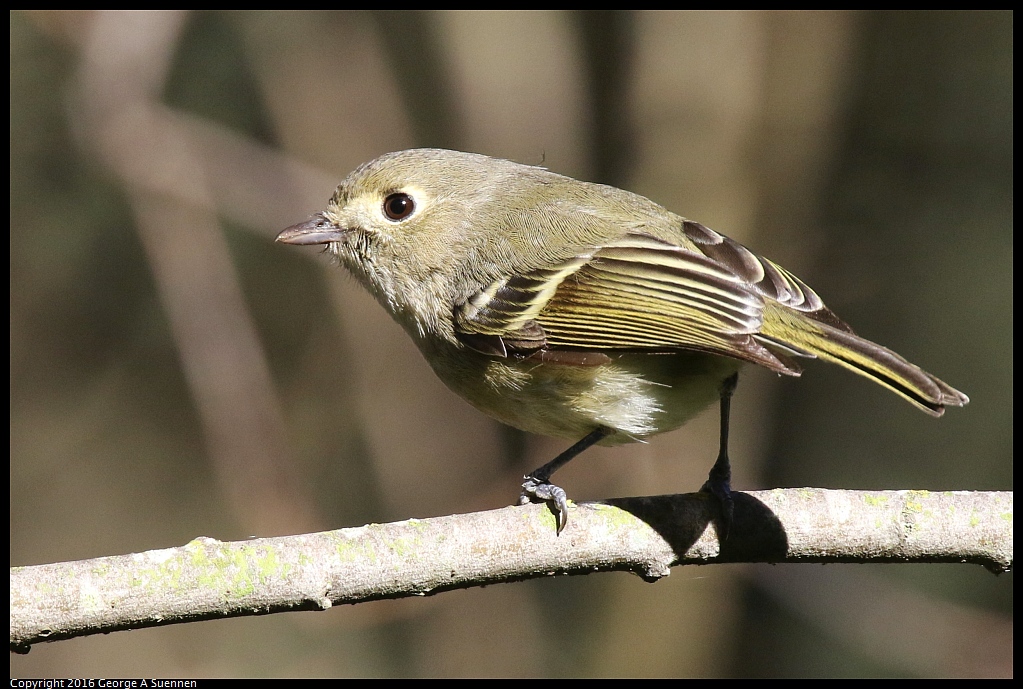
column 640, row 293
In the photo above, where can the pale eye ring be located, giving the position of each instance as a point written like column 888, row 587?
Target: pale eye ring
column 399, row 206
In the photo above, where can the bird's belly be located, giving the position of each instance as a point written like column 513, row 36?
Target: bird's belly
column 637, row 395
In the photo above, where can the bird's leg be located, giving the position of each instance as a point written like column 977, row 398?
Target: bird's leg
column 537, row 484
column 719, row 481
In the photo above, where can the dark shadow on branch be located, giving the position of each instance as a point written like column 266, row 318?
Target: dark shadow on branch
column 757, row 533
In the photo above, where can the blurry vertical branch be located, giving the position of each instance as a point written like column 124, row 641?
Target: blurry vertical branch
column 412, row 46
column 125, row 60
column 608, row 42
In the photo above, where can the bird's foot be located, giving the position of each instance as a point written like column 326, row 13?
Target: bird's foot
column 535, row 489
column 720, row 487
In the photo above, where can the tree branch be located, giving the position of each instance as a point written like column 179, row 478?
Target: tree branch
column 208, row 579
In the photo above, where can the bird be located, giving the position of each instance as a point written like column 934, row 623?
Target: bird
column 578, row 310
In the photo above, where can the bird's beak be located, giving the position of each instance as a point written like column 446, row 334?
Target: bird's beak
column 315, row 230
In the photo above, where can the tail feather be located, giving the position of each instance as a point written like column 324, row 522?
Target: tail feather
column 864, row 357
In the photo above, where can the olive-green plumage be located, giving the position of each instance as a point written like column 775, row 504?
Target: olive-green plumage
column 561, row 307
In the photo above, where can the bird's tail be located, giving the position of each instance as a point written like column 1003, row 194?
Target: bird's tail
column 864, row 357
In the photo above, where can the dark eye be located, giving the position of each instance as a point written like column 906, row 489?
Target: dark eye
column 399, row 206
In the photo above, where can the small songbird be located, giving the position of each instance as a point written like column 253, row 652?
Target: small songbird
column 579, row 310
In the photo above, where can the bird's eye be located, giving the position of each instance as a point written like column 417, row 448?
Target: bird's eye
column 398, row 206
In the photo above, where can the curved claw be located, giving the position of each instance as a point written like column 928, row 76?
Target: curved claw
column 545, row 491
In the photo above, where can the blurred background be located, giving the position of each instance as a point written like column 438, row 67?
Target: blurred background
column 176, row 374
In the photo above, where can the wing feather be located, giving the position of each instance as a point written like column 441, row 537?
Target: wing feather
column 638, row 293
column 766, row 277
column 641, row 293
